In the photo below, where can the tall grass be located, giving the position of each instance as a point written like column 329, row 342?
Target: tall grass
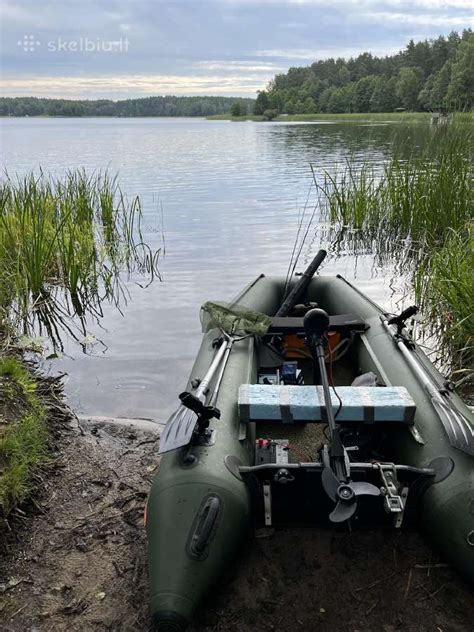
column 64, row 246
column 392, row 117
column 416, row 213
column 444, row 291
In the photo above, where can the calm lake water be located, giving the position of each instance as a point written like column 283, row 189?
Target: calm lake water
column 229, row 196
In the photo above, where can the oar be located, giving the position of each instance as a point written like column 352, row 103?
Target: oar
column 459, row 429
column 180, row 426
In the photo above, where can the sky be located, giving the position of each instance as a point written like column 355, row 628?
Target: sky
column 122, row 49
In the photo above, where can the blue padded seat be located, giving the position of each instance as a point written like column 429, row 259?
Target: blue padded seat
column 305, row 404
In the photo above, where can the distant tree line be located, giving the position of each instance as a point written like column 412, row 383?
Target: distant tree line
column 428, row 75
column 150, row 106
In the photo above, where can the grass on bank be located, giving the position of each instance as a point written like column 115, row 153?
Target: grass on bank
column 23, row 433
column 353, row 117
column 65, row 244
column 417, row 212
column 399, row 117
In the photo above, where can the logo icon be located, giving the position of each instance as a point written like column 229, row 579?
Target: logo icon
column 29, row 43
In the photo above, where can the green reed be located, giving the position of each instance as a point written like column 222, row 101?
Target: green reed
column 65, row 246
column 443, row 289
column 415, row 212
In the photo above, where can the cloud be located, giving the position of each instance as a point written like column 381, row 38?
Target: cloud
column 441, row 21
column 216, row 46
column 136, row 85
column 429, row 4
column 310, row 55
column 433, row 4
column 247, row 66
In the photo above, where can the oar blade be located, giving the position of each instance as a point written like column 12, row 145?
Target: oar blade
column 178, row 430
column 458, row 427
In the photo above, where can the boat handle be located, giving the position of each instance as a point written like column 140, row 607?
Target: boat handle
column 207, row 520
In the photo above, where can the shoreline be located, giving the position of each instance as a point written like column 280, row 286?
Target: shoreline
column 381, row 117
column 369, row 117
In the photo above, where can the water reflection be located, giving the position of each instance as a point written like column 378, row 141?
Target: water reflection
column 231, row 195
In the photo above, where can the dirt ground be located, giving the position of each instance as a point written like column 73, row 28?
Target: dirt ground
column 75, row 559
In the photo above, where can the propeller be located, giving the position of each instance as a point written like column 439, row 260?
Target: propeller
column 345, row 494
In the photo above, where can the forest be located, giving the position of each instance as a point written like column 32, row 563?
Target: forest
column 426, row 76
column 429, row 75
column 150, row 106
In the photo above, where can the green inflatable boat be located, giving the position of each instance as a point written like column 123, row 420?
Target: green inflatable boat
column 246, row 445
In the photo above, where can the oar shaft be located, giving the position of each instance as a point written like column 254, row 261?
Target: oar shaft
column 414, row 364
column 217, row 386
column 206, row 380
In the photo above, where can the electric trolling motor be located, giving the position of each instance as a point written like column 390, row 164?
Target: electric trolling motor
column 335, row 476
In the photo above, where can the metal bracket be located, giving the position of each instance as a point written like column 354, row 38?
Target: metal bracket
column 398, row 518
column 267, row 503
column 394, row 498
column 326, row 460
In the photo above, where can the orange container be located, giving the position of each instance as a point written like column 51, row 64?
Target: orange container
column 294, row 346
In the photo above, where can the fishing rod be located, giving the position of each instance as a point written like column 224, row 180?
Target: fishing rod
column 296, row 255
column 300, row 288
